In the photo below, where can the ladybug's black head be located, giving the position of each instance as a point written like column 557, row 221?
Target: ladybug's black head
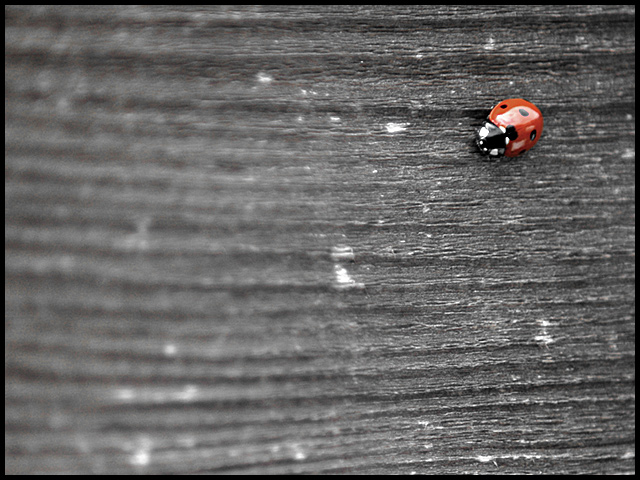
column 492, row 139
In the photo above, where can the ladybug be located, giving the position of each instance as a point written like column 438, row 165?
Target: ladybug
column 512, row 127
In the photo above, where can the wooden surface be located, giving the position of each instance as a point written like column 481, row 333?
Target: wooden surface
column 261, row 240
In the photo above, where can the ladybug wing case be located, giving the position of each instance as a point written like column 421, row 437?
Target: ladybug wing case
column 522, row 116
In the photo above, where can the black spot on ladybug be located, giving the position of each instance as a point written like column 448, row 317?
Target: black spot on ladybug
column 523, row 112
column 504, row 105
column 511, row 132
column 533, row 135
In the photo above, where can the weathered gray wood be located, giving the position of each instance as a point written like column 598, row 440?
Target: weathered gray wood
column 261, row 240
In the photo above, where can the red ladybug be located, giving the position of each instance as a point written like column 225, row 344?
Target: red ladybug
column 512, row 127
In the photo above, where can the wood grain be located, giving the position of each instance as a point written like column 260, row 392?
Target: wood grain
column 261, row 240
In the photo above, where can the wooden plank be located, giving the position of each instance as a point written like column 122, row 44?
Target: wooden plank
column 261, row 240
